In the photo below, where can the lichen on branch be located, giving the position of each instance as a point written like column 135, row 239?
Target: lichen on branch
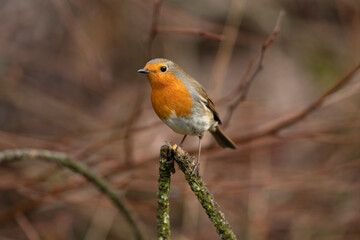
column 171, row 153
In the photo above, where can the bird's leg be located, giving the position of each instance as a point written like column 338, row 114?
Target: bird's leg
column 171, row 154
column 182, row 140
column 197, row 164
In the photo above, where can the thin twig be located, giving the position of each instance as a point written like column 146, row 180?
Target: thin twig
column 255, row 66
column 84, row 42
column 245, row 87
column 118, row 134
column 26, row 226
column 226, row 47
column 66, row 162
column 134, row 117
column 191, row 31
column 153, row 29
column 290, row 119
column 206, row 199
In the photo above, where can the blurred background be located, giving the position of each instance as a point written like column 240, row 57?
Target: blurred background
column 68, row 83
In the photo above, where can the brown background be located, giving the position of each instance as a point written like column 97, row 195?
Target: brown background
column 68, row 82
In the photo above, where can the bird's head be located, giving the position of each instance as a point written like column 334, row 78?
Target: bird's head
column 162, row 72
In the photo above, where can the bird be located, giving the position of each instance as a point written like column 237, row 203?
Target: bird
column 182, row 103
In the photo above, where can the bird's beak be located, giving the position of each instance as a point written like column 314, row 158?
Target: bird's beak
column 143, row 70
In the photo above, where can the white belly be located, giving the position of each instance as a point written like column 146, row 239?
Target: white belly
column 194, row 125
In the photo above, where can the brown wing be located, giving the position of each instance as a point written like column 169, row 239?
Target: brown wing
column 211, row 106
column 209, row 103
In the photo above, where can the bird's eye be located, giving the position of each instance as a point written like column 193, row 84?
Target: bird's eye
column 163, row 68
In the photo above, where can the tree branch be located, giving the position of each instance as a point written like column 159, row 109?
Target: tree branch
column 155, row 29
column 255, row 66
column 163, row 196
column 291, row 119
column 154, row 24
column 190, row 31
column 206, row 199
column 65, row 161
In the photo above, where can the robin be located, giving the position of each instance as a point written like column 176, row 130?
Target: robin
column 182, row 103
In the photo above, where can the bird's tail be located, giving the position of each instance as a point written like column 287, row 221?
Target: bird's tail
column 222, row 139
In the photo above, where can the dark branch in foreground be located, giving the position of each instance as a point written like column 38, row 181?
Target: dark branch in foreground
column 66, row 162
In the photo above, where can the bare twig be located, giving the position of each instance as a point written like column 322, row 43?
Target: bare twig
column 323, row 129
column 291, row 119
column 66, row 162
column 84, row 42
column 26, row 226
column 153, row 29
column 225, row 50
column 244, row 88
column 103, row 218
column 134, row 117
column 117, row 134
column 293, row 180
column 191, row 31
column 255, row 66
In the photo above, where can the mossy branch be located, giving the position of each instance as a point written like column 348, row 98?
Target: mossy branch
column 65, row 161
column 163, row 212
column 170, row 153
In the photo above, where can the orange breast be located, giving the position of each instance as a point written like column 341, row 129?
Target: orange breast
column 172, row 97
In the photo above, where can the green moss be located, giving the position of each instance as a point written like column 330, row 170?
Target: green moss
column 204, row 196
column 163, row 212
column 185, row 162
